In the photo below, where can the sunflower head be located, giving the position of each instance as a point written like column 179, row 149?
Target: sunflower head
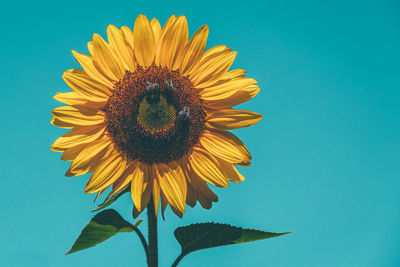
column 150, row 109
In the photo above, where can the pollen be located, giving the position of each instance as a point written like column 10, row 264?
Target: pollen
column 155, row 115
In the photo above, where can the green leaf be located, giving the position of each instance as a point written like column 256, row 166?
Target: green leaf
column 114, row 197
column 208, row 235
column 102, row 226
column 138, row 222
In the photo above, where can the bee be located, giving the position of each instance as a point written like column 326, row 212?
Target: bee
column 184, row 113
column 153, row 93
column 170, row 85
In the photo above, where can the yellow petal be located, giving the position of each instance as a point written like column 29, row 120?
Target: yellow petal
column 228, row 119
column 72, row 98
column 140, row 186
column 191, row 197
column 205, row 201
column 121, row 47
column 58, row 123
column 173, row 44
column 223, row 79
column 78, row 115
column 164, row 203
column 90, row 47
column 89, row 157
column 199, row 190
column 212, row 69
column 71, row 153
column 78, row 136
column 173, row 184
column 85, row 86
column 238, row 73
column 176, row 211
column 207, row 167
column 242, row 95
column 194, row 50
column 144, row 43
column 135, row 212
column 125, row 178
column 226, row 89
column 156, row 27
column 99, row 194
column 106, row 173
column 225, row 146
column 233, row 74
column 216, row 50
column 231, row 171
column 128, row 35
column 153, row 185
column 156, row 188
column 170, row 22
column 209, row 55
column 106, row 59
column 88, row 66
column 204, row 195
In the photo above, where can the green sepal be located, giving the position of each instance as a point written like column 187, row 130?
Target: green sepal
column 101, row 227
column 138, row 222
column 114, row 197
column 208, row 235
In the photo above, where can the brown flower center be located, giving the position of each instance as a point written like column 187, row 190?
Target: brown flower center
column 155, row 115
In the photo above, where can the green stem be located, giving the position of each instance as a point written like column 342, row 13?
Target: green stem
column 177, row 260
column 152, row 259
column 143, row 240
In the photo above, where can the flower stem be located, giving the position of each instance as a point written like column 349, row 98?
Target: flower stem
column 152, row 259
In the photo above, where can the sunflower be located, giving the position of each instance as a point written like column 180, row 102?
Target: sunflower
column 150, row 110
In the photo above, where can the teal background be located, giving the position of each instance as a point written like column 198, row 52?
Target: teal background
column 326, row 154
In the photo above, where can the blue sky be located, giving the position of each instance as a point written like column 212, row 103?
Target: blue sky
column 326, row 154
